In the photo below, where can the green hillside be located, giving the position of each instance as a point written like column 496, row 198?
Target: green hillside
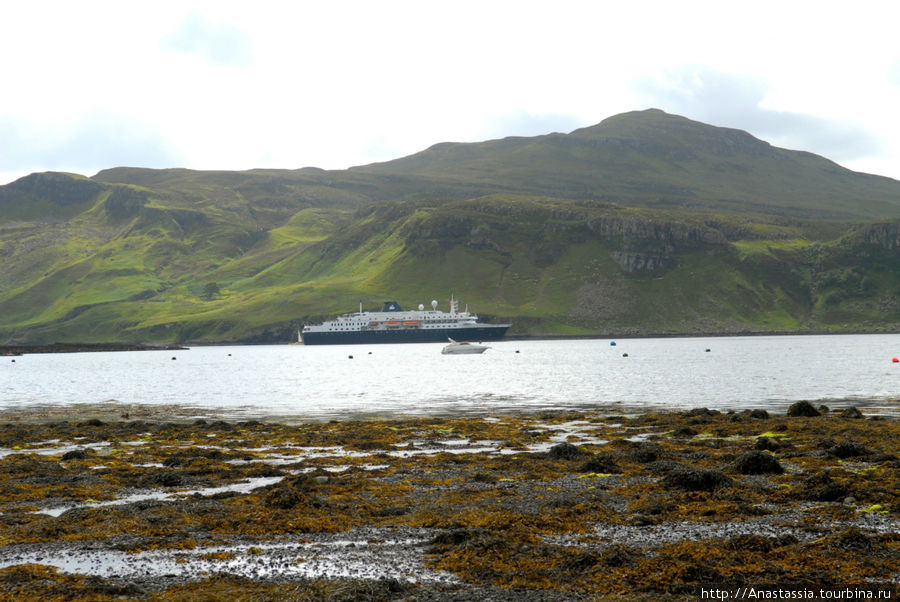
column 646, row 223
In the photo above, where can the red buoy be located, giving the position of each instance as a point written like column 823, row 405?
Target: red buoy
column 896, row 360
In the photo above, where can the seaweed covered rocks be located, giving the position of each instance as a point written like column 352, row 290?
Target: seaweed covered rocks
column 553, row 506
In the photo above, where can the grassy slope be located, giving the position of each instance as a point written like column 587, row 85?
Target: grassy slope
column 129, row 255
column 145, row 281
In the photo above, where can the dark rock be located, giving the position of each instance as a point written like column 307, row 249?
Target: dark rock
column 165, row 478
column 759, row 414
column 602, row 463
column 684, row 431
column 768, row 444
column 284, row 497
column 850, row 413
column 566, row 451
column 292, row 491
column 757, row 462
column 820, row 487
column 700, row 412
column 75, row 454
column 849, row 449
column 803, row 408
column 647, row 451
column 691, row 479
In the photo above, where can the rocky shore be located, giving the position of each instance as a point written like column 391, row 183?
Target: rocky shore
column 112, row 502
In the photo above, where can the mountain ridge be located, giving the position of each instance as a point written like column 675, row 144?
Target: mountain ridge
column 670, row 148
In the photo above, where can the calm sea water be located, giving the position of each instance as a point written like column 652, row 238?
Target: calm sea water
column 325, row 382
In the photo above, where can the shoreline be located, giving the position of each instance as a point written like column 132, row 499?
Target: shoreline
column 698, row 335
column 21, row 349
column 565, row 505
column 24, row 348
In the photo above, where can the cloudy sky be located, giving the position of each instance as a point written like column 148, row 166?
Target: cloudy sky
column 237, row 85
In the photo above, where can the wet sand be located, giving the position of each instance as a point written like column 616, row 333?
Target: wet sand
column 152, row 502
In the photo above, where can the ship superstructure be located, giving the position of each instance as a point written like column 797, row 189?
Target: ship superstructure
column 393, row 324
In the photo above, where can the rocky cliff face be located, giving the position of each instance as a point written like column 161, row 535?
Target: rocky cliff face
column 639, row 244
column 639, row 228
column 644, row 246
column 883, row 234
column 124, row 202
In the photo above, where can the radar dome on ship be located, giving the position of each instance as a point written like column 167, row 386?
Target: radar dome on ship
column 434, row 304
column 421, row 307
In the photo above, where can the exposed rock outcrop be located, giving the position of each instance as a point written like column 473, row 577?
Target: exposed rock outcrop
column 883, row 234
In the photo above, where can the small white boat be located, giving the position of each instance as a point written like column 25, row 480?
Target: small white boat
column 462, row 347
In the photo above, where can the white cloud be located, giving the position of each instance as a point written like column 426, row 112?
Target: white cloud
column 218, row 44
column 94, row 139
column 738, row 101
column 236, row 85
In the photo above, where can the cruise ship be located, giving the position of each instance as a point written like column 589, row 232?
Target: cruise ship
column 393, row 324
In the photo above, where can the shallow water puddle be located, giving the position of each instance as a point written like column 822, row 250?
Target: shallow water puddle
column 575, row 431
column 241, row 487
column 606, row 534
column 58, row 448
column 339, row 556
